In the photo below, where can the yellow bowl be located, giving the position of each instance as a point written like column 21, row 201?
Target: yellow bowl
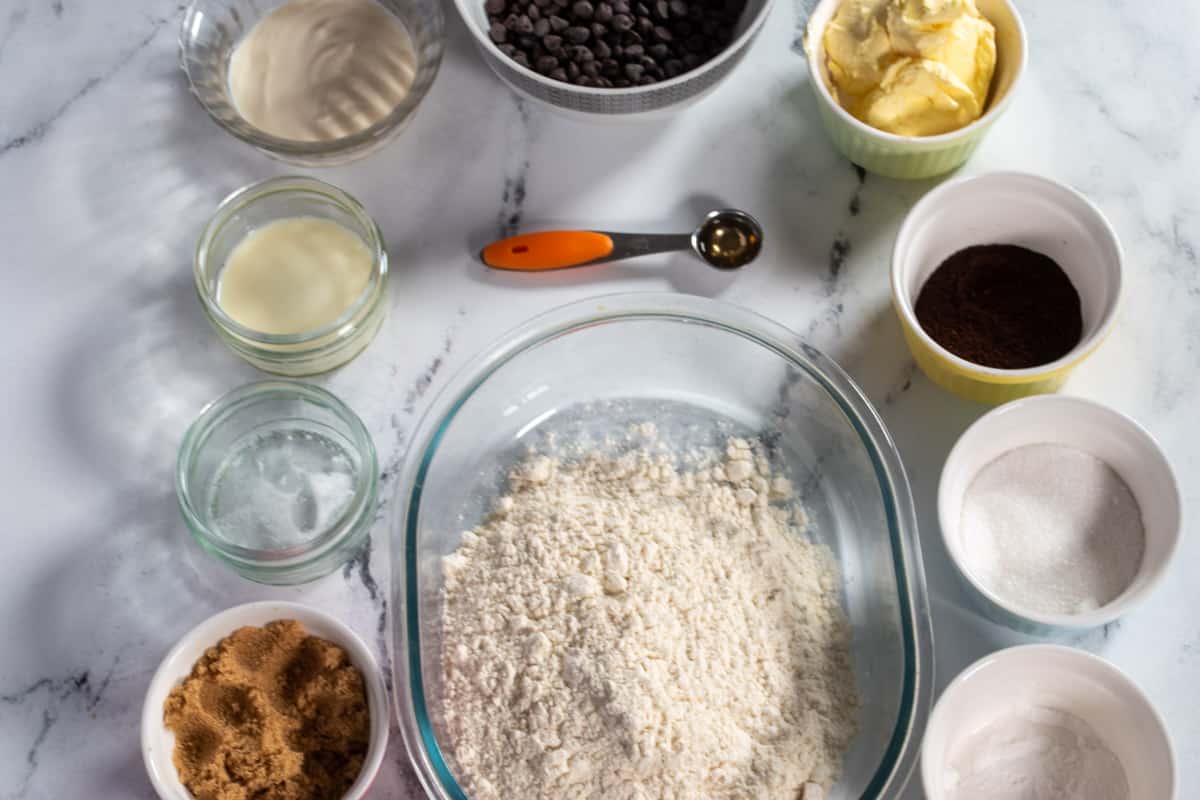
column 1006, row 208
column 915, row 157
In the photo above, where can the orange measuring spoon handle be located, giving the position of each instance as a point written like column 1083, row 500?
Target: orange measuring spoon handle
column 531, row 252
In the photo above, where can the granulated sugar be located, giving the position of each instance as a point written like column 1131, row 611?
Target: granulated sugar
column 621, row 630
column 1052, row 529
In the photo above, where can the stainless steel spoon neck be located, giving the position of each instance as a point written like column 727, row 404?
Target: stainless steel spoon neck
column 632, row 245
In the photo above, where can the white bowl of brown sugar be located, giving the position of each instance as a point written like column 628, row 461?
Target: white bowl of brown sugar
column 268, row 697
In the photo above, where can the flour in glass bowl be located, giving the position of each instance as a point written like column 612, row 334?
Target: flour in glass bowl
column 619, row 629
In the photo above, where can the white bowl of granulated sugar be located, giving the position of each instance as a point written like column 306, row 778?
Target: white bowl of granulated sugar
column 1060, row 513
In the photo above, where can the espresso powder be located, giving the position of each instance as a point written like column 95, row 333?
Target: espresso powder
column 1001, row 306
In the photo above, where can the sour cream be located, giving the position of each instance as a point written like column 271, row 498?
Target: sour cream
column 319, row 70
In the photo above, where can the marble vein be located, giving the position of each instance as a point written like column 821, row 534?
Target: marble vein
column 512, row 196
column 38, row 130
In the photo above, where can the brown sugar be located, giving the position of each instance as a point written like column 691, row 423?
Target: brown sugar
column 270, row 713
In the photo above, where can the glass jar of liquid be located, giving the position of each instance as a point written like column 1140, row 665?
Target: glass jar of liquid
column 279, row 480
column 292, row 274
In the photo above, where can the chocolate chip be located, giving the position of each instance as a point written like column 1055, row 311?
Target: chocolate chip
column 608, row 43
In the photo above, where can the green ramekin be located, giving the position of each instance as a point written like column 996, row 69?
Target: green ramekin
column 913, row 157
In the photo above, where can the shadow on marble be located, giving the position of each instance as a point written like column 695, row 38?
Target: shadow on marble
column 123, row 400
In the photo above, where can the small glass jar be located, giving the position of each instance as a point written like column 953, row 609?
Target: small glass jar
column 256, row 205
column 279, row 480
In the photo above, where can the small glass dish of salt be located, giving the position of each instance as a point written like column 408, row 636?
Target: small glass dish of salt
column 279, row 480
column 1061, row 514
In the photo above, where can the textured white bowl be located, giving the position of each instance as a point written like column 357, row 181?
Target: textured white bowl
column 158, row 743
column 636, row 102
column 1065, row 679
column 1109, row 436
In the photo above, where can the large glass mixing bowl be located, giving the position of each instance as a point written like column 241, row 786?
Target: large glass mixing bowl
column 700, row 370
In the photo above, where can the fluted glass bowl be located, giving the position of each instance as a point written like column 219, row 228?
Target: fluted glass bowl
column 211, row 31
column 700, row 371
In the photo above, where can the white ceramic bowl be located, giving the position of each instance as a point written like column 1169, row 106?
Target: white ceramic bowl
column 914, row 157
column 1109, row 436
column 1007, row 208
column 158, row 743
column 597, row 104
column 1065, row 679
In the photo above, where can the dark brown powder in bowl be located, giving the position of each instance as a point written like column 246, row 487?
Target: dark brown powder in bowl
column 270, row 713
column 1001, row 306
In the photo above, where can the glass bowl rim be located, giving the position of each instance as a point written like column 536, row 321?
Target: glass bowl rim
column 360, row 506
column 346, row 324
column 295, row 148
column 900, row 757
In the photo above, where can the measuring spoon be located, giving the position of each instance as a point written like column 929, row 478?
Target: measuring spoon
column 727, row 239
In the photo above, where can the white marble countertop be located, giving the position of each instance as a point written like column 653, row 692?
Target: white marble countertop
column 108, row 170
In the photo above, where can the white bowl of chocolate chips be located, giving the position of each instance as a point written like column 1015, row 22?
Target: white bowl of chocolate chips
column 597, row 58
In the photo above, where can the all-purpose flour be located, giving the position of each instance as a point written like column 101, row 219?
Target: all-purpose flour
column 621, row 630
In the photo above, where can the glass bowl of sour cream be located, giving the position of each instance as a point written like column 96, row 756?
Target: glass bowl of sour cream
column 312, row 82
column 292, row 274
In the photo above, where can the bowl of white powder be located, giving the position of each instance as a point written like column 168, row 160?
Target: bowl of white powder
column 654, row 546
column 1060, row 514
column 1046, row 721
